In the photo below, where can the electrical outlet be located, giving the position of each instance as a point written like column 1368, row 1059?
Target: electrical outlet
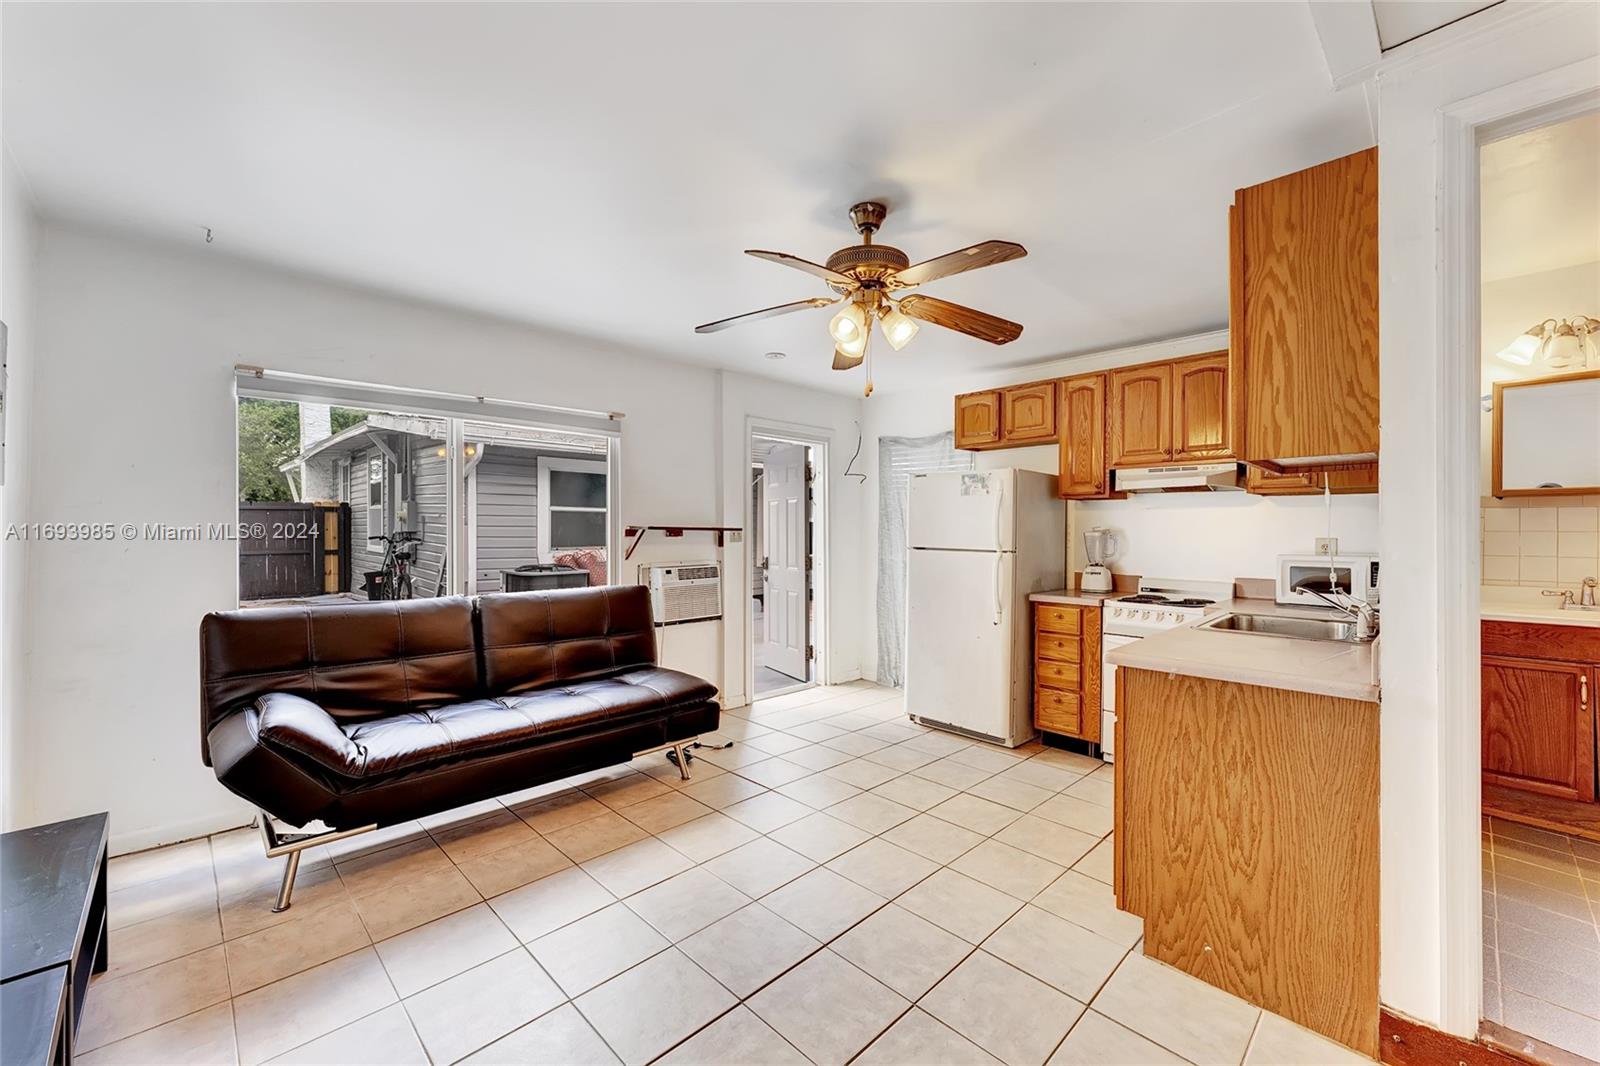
column 1327, row 545
column 736, row 535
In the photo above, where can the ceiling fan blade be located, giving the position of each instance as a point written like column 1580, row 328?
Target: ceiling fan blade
column 979, row 255
column 841, row 361
column 765, row 312
column 832, row 277
column 985, row 327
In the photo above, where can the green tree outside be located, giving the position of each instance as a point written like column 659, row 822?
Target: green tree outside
column 269, row 434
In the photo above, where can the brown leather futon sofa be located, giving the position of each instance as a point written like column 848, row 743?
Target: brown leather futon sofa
column 363, row 715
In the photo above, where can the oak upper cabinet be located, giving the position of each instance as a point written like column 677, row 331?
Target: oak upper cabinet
column 1341, row 482
column 1200, row 429
column 1303, row 315
column 978, row 419
column 1028, row 413
column 1139, row 415
column 1082, row 421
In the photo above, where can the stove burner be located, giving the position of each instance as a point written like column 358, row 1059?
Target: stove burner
column 1166, row 601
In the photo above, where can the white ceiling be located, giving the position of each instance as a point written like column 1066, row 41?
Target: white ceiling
column 1540, row 194
column 1400, row 21
column 599, row 168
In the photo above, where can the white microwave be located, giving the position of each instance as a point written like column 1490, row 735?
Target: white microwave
column 1354, row 574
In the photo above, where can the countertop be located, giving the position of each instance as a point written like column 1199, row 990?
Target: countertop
column 1504, row 604
column 1324, row 667
column 1075, row 597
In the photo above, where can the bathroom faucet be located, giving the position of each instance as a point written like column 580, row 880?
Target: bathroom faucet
column 1588, row 593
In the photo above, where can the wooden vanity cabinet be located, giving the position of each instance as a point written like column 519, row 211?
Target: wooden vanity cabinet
column 1303, row 315
column 1139, row 415
column 1538, row 708
column 978, row 419
column 1066, row 670
column 1082, row 421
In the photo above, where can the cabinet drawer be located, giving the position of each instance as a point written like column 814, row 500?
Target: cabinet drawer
column 1056, row 674
column 1055, row 711
column 1057, row 647
column 1054, row 619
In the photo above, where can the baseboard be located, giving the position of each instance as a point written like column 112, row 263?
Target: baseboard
column 174, row 832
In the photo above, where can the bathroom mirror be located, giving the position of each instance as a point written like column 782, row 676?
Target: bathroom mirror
column 1547, row 436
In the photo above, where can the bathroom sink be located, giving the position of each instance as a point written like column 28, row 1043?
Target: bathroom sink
column 1277, row 625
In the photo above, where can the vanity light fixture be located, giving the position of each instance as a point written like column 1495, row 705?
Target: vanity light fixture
column 1560, row 344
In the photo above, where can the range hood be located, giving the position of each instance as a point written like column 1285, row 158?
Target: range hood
column 1190, row 477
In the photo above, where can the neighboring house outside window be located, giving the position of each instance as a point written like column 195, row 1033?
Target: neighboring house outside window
column 572, row 506
column 376, row 483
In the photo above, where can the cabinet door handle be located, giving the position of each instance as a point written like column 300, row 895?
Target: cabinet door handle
column 1583, row 693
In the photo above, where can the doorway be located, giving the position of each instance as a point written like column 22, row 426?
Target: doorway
column 1539, row 478
column 784, row 562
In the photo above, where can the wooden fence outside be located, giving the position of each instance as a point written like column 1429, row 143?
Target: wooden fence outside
column 293, row 549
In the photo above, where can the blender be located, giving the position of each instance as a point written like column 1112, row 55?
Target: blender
column 1099, row 545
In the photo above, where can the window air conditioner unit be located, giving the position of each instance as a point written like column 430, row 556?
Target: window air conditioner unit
column 685, row 592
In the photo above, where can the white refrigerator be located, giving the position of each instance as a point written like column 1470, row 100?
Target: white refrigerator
column 979, row 543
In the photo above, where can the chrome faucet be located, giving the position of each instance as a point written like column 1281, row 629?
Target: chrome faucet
column 1567, row 599
column 1359, row 611
column 1588, row 593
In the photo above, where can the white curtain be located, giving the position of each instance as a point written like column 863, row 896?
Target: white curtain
column 898, row 459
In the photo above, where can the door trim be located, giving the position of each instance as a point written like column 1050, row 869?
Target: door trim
column 819, row 440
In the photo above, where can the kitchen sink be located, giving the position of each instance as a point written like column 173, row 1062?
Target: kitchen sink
column 1277, row 625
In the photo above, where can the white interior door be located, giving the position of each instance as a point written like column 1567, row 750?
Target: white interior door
column 784, row 502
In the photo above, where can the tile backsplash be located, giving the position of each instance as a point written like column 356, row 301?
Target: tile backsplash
column 1544, row 542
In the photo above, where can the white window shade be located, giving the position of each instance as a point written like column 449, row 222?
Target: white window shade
column 898, row 459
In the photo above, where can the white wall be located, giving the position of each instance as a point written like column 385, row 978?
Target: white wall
column 1431, row 954
column 1184, row 535
column 18, row 243
column 136, row 423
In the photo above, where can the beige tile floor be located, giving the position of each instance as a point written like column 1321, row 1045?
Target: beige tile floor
column 839, row 886
column 1541, row 935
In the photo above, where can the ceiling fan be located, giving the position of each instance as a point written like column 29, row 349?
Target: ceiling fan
column 865, row 275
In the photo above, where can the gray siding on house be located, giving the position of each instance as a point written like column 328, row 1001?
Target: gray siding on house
column 507, row 514
column 363, row 557
column 429, row 475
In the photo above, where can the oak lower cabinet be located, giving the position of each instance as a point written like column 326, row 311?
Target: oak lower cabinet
column 1246, row 837
column 1538, row 708
column 1066, row 670
column 978, row 419
column 1303, row 315
column 1082, row 422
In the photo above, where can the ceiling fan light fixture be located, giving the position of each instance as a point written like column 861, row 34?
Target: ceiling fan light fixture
column 898, row 327
column 849, row 326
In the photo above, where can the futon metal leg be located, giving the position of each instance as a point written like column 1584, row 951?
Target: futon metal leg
column 291, row 845
column 682, row 752
column 285, row 890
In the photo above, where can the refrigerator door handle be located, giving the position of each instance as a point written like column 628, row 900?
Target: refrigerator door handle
column 999, row 508
column 998, row 607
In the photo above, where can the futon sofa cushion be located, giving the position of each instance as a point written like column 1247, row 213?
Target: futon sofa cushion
column 561, row 682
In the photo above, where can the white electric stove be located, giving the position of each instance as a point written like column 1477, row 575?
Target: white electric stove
column 1160, row 604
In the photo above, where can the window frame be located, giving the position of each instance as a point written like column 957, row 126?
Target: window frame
column 546, row 551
